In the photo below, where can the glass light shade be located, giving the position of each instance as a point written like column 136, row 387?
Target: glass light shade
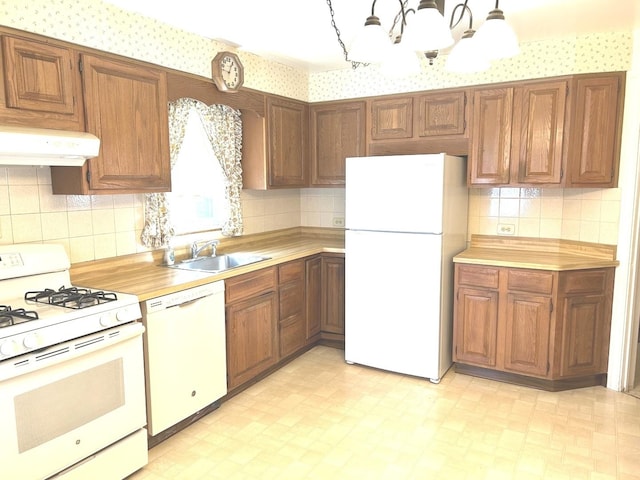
column 427, row 30
column 400, row 62
column 372, row 44
column 496, row 37
column 466, row 57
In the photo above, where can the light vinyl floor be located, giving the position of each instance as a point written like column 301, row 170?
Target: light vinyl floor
column 319, row 418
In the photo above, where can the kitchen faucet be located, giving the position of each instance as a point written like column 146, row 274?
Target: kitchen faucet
column 196, row 249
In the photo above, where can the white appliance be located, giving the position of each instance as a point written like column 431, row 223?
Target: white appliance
column 41, row 146
column 406, row 217
column 191, row 325
column 72, row 397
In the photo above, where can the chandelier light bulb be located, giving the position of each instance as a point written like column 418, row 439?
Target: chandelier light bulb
column 372, row 44
column 496, row 37
column 466, row 57
column 427, row 29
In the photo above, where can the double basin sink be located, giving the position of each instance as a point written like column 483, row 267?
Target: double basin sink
column 219, row 263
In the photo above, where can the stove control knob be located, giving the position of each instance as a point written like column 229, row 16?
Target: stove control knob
column 105, row 320
column 32, row 340
column 124, row 315
column 9, row 348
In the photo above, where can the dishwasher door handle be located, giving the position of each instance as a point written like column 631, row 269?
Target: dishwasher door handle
column 188, row 302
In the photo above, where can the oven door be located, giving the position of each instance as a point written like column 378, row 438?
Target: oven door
column 69, row 401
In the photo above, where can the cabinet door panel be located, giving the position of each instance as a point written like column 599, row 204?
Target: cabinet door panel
column 251, row 338
column 476, row 327
column 539, row 116
column 333, row 293
column 583, row 336
column 288, row 134
column 41, row 86
column 391, row 119
column 442, row 114
column 337, row 132
column 127, row 109
column 313, row 293
column 491, row 137
column 527, row 334
column 594, row 147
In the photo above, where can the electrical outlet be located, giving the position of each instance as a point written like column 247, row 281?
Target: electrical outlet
column 506, row 229
column 338, row 222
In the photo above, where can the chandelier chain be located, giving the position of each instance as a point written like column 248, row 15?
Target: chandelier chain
column 354, row 65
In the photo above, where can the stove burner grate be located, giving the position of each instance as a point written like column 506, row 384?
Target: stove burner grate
column 9, row 316
column 70, row 297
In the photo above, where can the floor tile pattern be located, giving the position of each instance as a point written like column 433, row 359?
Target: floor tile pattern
column 319, row 418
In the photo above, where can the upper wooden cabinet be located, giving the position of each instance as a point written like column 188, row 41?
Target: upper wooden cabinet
column 431, row 122
column 275, row 154
column 288, row 130
column 41, row 85
column 488, row 162
column 442, row 114
column 337, row 132
column 126, row 107
column 596, row 125
column 556, row 132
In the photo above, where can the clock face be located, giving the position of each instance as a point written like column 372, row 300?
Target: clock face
column 230, row 71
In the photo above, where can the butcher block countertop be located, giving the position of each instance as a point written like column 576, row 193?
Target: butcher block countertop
column 144, row 275
column 537, row 253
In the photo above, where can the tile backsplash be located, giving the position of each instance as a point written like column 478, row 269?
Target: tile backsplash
column 99, row 226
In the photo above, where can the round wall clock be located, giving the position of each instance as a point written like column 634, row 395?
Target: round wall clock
column 227, row 72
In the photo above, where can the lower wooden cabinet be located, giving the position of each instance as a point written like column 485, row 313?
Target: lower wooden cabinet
column 332, row 320
column 313, row 294
column 542, row 328
column 291, row 299
column 252, row 325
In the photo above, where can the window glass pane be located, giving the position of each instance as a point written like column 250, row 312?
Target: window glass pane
column 197, row 200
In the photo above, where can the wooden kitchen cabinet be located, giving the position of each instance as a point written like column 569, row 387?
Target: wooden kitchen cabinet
column 313, row 297
column 442, row 114
column 596, row 127
column 489, row 152
column 40, row 85
column 391, row 118
column 337, row 132
column 292, row 328
column 126, row 107
column 556, row 132
column 275, row 146
column 517, row 135
column 333, row 288
column 252, row 325
column 534, row 327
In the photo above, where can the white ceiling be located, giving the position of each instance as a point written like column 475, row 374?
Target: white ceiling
column 299, row 32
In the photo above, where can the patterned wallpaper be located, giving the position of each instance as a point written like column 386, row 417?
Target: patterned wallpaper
column 607, row 52
column 95, row 24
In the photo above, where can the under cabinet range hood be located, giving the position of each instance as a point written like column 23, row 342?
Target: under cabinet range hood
column 40, row 146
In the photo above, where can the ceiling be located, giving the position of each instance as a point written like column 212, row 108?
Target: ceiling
column 299, row 33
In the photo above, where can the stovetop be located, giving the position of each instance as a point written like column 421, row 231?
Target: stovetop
column 43, row 315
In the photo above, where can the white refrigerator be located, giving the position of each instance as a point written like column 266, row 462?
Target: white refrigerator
column 406, row 217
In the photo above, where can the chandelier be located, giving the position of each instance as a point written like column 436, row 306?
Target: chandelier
column 425, row 31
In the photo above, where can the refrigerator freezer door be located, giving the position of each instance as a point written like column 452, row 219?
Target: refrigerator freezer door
column 401, row 193
column 392, row 305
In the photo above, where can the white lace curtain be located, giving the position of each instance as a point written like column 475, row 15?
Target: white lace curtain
column 223, row 127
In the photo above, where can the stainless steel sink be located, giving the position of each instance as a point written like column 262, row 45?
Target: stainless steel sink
column 219, row 263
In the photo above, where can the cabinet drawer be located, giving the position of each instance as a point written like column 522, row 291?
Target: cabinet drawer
column 477, row 276
column 585, row 281
column 291, row 300
column 530, row 281
column 291, row 271
column 292, row 335
column 250, row 284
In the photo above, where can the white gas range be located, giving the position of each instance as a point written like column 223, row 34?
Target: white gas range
column 71, row 372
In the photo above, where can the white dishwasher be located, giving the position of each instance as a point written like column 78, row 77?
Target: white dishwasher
column 185, row 353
